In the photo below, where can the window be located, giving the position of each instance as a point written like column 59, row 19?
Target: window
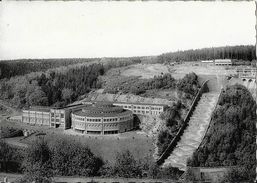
column 62, row 115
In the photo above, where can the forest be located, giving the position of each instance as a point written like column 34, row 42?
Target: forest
column 43, row 160
column 231, row 138
column 242, row 52
column 54, row 88
column 10, row 68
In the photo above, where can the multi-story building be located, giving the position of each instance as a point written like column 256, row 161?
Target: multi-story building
column 36, row 116
column 102, row 118
column 144, row 109
column 61, row 118
column 91, row 117
column 223, row 62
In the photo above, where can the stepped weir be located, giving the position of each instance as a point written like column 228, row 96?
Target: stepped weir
column 197, row 126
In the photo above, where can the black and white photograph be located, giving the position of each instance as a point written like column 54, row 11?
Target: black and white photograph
column 128, row 91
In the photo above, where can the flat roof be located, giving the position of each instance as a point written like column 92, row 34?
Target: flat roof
column 137, row 103
column 38, row 108
column 128, row 103
column 223, row 60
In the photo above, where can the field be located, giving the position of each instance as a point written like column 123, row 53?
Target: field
column 146, row 71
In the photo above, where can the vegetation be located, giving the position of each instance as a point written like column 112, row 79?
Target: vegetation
column 44, row 159
column 187, row 85
column 228, row 52
column 231, row 138
column 10, row 158
column 173, row 121
column 55, row 88
column 73, row 158
column 128, row 167
column 10, row 68
column 236, row 175
column 37, row 163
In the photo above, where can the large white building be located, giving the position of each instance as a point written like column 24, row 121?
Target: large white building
column 91, row 117
column 223, row 62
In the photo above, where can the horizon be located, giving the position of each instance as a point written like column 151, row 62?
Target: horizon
column 75, row 30
column 121, row 57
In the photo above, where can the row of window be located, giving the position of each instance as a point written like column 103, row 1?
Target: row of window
column 140, row 107
column 57, row 115
column 95, row 125
column 105, row 119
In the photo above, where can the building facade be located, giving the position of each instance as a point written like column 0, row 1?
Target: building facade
column 246, row 72
column 36, row 116
column 102, row 119
column 91, row 117
column 224, row 62
column 61, row 117
column 144, row 109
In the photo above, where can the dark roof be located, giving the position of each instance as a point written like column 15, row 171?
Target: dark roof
column 88, row 114
column 102, row 109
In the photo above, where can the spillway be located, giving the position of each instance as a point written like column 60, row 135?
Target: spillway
column 194, row 133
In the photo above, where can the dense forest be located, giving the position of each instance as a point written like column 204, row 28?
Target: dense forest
column 10, row 68
column 55, row 88
column 243, row 52
column 44, row 159
column 231, row 138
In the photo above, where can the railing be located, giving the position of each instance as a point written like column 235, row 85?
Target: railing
column 174, row 141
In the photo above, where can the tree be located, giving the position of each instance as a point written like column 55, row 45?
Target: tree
column 236, row 175
column 5, row 154
column 73, row 158
column 126, row 165
column 37, row 163
column 67, row 95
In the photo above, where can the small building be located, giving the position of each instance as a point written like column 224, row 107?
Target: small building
column 246, row 72
column 223, row 62
column 209, row 174
column 207, row 61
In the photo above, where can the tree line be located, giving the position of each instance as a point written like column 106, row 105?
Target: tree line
column 43, row 160
column 10, row 68
column 231, row 138
column 242, row 52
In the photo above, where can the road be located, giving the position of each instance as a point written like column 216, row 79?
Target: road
column 11, row 111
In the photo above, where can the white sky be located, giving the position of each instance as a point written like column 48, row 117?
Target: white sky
column 102, row 29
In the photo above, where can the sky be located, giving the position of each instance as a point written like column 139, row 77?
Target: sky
column 76, row 29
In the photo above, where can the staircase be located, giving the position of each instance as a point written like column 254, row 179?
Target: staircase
column 194, row 133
